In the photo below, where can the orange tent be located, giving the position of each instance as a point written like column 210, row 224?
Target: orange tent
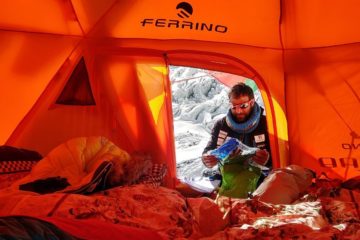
column 100, row 67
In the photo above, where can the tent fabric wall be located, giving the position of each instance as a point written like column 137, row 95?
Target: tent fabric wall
column 302, row 54
column 28, row 62
column 322, row 103
column 130, row 110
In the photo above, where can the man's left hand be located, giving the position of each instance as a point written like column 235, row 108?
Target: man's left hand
column 261, row 157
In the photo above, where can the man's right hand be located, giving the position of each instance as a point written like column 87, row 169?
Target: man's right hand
column 209, row 160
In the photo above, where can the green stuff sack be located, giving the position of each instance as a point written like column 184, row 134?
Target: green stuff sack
column 238, row 179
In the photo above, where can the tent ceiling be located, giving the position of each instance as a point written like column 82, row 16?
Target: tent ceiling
column 261, row 23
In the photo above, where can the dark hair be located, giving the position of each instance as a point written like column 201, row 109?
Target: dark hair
column 241, row 89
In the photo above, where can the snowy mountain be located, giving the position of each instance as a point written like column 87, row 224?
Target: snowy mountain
column 198, row 100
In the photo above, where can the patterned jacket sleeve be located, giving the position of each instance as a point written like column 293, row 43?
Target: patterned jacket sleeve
column 214, row 136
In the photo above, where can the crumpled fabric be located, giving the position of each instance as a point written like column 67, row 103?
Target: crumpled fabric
column 21, row 227
column 284, row 185
column 82, row 161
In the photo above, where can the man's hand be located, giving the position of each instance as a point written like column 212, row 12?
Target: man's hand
column 209, row 160
column 261, row 157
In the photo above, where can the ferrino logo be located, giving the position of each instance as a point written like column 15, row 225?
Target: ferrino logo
column 184, row 11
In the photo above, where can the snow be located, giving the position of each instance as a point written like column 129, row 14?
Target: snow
column 198, row 101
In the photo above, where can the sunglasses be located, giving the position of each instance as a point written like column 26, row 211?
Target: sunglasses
column 241, row 106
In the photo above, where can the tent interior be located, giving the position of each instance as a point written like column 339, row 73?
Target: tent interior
column 78, row 68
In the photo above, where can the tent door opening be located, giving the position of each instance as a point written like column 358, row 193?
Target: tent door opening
column 199, row 99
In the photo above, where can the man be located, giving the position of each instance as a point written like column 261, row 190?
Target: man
column 244, row 121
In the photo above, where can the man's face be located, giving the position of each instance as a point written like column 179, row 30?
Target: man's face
column 241, row 107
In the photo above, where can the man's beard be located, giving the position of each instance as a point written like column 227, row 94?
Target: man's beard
column 244, row 117
column 240, row 120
